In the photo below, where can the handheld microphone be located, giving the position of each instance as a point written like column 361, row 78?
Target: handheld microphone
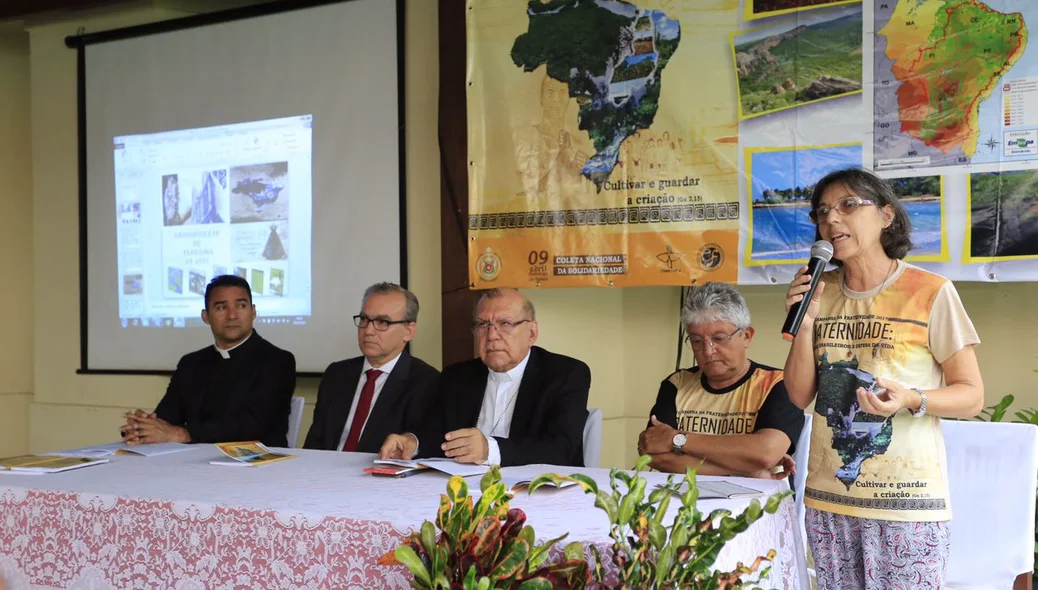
column 821, row 254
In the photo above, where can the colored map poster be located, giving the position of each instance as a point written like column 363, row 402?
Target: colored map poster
column 935, row 108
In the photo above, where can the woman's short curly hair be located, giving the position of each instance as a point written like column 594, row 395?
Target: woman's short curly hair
column 897, row 237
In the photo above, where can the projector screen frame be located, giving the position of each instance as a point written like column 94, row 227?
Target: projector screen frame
column 81, row 41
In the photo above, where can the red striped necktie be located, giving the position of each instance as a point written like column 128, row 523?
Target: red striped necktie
column 361, row 415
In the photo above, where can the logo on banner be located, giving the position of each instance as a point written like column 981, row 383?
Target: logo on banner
column 1021, row 143
column 711, row 256
column 668, row 258
column 488, row 265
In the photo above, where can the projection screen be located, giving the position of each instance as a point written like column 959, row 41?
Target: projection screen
column 267, row 145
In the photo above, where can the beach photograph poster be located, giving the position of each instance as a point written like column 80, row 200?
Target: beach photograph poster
column 923, row 199
column 780, row 182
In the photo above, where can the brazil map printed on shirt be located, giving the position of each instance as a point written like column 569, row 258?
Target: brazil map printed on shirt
column 868, row 466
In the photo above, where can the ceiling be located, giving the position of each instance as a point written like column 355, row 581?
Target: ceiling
column 22, row 9
column 17, row 9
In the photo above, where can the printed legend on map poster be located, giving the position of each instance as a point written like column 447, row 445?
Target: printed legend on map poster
column 1020, row 102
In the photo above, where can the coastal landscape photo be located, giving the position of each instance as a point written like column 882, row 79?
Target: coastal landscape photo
column 782, row 179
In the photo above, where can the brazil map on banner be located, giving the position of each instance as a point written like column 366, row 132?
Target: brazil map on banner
column 672, row 142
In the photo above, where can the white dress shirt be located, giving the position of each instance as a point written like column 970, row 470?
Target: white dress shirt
column 499, row 399
column 226, row 353
column 380, row 381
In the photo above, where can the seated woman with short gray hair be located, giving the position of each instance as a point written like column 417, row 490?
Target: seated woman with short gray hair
column 728, row 415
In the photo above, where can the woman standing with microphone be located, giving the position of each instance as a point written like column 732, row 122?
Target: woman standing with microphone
column 885, row 349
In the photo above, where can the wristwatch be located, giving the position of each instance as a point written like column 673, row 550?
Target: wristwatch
column 679, row 442
column 922, row 406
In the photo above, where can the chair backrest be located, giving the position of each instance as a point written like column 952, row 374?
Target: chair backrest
column 295, row 421
column 593, row 438
column 992, row 475
column 800, row 456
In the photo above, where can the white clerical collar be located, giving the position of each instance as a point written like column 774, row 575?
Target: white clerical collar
column 387, row 368
column 226, row 353
column 513, row 374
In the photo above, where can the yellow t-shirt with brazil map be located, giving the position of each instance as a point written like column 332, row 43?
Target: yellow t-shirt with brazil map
column 757, row 401
column 868, row 466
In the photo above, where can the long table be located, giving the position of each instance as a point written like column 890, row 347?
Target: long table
column 313, row 522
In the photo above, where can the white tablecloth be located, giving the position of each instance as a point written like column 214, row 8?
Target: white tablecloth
column 316, row 521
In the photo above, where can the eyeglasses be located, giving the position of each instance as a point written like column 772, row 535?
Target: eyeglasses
column 504, row 327
column 362, row 321
column 716, row 340
column 844, row 207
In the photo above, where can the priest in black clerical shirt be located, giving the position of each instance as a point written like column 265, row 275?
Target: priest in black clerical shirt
column 238, row 389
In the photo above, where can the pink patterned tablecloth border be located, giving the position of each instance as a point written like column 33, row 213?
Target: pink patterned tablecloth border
column 52, row 537
column 96, row 542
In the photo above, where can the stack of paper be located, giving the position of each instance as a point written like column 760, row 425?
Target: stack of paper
column 121, row 448
column 520, row 483
column 248, row 454
column 720, row 489
column 448, row 466
column 38, row 464
column 392, row 469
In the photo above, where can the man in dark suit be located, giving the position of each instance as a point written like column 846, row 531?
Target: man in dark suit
column 238, row 389
column 515, row 405
column 362, row 400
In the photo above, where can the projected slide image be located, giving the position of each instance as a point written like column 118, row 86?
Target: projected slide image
column 275, row 248
column 277, row 282
column 133, row 284
column 194, row 204
column 259, row 192
column 175, row 280
column 197, row 282
column 256, row 242
column 130, row 213
column 265, row 279
column 257, row 281
column 196, row 250
column 194, row 198
column 171, row 200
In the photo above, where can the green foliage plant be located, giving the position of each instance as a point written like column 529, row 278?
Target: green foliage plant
column 651, row 554
column 485, row 545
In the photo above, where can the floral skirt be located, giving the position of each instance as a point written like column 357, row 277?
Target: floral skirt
column 860, row 553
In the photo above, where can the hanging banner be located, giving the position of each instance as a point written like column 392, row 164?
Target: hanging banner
column 673, row 142
column 589, row 163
